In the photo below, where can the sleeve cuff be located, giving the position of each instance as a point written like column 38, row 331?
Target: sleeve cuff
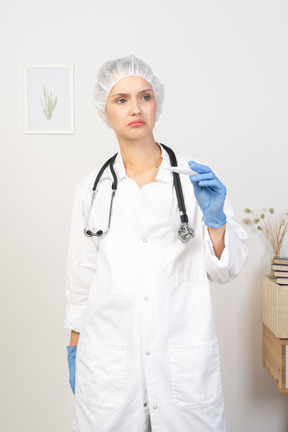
column 74, row 317
column 224, row 259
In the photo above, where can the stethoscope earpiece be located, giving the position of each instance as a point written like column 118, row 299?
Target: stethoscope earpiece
column 89, row 233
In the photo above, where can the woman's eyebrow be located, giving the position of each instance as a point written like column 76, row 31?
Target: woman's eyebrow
column 119, row 94
column 126, row 94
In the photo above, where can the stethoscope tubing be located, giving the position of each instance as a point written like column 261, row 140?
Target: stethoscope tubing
column 178, row 186
column 185, row 232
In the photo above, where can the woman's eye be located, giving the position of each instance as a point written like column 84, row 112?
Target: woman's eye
column 146, row 97
column 121, row 101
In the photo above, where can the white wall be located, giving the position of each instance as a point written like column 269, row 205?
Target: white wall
column 224, row 65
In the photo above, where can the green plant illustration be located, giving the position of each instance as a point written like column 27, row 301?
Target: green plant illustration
column 50, row 105
column 273, row 229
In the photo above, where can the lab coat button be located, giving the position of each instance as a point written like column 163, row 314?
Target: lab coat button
column 146, row 298
column 145, row 404
column 144, row 240
column 155, row 407
column 147, row 352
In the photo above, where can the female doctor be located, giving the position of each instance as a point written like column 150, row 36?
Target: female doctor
column 143, row 340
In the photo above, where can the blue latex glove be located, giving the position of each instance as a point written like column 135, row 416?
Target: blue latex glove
column 71, row 350
column 210, row 194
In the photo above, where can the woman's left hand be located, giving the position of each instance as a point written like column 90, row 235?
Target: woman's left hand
column 71, row 357
column 210, row 194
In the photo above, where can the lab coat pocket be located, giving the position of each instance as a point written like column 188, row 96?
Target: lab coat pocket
column 195, row 375
column 100, row 374
column 184, row 261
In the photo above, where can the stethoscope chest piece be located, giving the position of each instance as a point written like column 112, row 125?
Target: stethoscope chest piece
column 185, row 233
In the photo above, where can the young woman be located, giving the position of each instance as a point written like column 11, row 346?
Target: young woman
column 138, row 298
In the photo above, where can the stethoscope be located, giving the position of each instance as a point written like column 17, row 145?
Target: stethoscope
column 185, row 232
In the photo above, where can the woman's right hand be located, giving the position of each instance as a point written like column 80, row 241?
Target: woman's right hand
column 71, row 357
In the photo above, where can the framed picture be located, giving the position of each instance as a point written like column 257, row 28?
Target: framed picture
column 48, row 99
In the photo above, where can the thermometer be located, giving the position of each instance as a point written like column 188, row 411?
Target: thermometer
column 179, row 170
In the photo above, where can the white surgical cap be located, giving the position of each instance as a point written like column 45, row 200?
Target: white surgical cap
column 113, row 71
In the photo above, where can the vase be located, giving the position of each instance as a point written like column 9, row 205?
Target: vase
column 274, row 253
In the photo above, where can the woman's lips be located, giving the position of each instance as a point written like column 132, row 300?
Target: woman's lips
column 137, row 123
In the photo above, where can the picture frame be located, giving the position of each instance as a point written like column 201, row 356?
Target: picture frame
column 48, row 94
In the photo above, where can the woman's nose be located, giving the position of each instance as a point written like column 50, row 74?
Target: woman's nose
column 135, row 108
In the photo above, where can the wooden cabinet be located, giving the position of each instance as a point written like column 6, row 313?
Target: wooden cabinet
column 275, row 331
column 276, row 358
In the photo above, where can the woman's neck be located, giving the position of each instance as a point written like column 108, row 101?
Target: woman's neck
column 140, row 159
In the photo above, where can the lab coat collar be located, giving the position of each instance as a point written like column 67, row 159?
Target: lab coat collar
column 163, row 176
column 118, row 168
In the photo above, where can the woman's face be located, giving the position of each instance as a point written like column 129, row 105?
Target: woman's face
column 131, row 108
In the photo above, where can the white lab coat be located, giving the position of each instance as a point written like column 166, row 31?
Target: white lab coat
column 141, row 301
